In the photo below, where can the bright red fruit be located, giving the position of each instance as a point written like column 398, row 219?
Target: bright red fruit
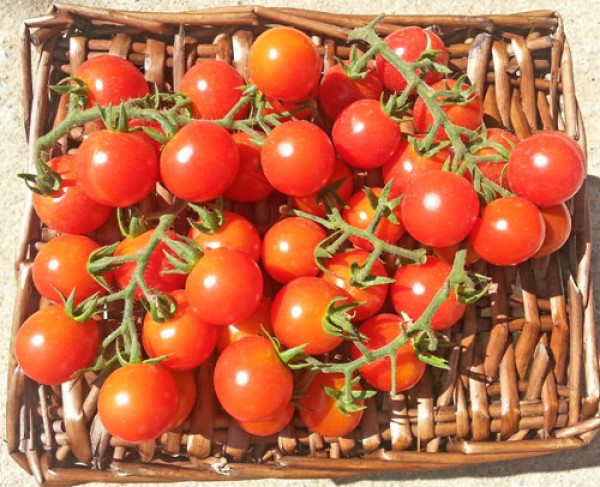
column 269, row 426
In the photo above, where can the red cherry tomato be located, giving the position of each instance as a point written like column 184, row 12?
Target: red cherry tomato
column 269, row 426
column 200, row 162
column 547, row 168
column 284, row 64
column 516, row 223
column 298, row 110
column 416, row 286
column 151, row 124
column 494, row 171
column 449, row 253
column 364, row 136
column 225, row 286
column 138, row 402
column 439, row 208
column 557, row 221
column 286, row 151
column 51, row 347
column 251, row 382
column 380, row 331
column 186, row 386
column 250, row 326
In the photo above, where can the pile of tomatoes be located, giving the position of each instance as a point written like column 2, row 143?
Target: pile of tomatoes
column 249, row 283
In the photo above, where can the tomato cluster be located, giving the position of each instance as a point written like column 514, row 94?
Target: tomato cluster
column 252, row 282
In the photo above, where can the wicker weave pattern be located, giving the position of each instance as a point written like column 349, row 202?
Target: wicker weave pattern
column 525, row 375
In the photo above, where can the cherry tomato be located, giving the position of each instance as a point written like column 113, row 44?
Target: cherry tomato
column 85, row 215
column 111, row 80
column 359, row 213
column 251, row 382
column 408, row 43
column 546, row 168
column 557, row 221
column 416, row 286
column 252, row 325
column 186, row 338
column 138, row 402
column 364, row 136
column 214, row 88
column 372, row 297
column 380, row 331
column 150, row 124
column 186, row 386
column 269, row 426
column 469, row 115
column 115, row 168
column 236, row 233
column 516, row 223
column 284, row 64
column 439, row 208
column 449, row 253
column 319, row 411
column 494, row 171
column 225, row 286
column 337, row 89
column 200, row 162
column 61, row 267
column 286, row 151
column 51, row 347
column 289, row 110
column 298, row 311
column 288, row 248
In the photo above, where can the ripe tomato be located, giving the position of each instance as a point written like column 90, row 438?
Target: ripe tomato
column 449, row 253
column 285, row 152
column 60, row 267
column 381, row 330
column 269, row 426
column 252, row 325
column 494, row 170
column 416, row 286
column 138, row 402
column 111, row 80
column 51, row 347
column 298, row 311
column 236, row 233
column 439, row 208
column 408, row 43
column 319, row 410
column 557, row 221
column 251, row 382
column 298, row 110
column 250, row 183
column 469, row 115
column 359, row 213
column 364, row 136
column 115, row 168
column 372, row 297
column 186, row 386
column 284, row 64
column 225, row 286
column 186, row 338
column 546, row 168
column 200, row 162
column 85, row 215
column 337, row 90
column 516, row 223
column 288, row 249
column 151, row 124
column 214, row 88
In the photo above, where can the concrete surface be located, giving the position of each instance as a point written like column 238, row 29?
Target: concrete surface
column 581, row 467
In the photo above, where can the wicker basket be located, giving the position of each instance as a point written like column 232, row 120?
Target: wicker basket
column 524, row 379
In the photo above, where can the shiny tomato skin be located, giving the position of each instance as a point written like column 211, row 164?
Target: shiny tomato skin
column 61, row 267
column 288, row 248
column 269, row 426
column 111, row 80
column 284, row 64
column 495, row 171
column 319, row 411
column 546, row 168
column 51, row 347
column 408, row 43
column 115, row 168
column 85, row 215
column 439, row 208
column 225, row 286
column 252, row 325
column 415, row 287
column 298, row 311
column 364, row 136
column 381, row 330
column 151, row 124
column 186, row 386
column 214, row 88
column 138, row 402
column 557, row 221
column 340, row 273
column 236, row 233
column 286, row 151
column 251, row 382
column 200, row 162
column 516, row 223
column 186, row 338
